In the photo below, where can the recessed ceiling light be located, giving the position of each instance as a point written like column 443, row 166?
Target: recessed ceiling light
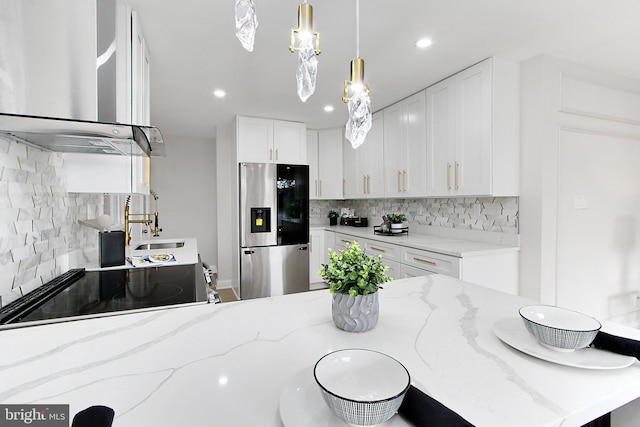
column 328, row 108
column 219, row 93
column 422, row 43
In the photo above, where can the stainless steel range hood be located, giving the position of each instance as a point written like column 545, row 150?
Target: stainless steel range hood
column 81, row 136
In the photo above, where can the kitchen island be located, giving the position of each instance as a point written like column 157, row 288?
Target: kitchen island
column 227, row 364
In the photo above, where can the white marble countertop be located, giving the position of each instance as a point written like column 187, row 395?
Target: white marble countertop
column 440, row 244
column 188, row 254
column 227, row 364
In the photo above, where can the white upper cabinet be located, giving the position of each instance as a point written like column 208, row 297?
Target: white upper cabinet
column 330, row 183
column 405, row 152
column 363, row 165
column 472, row 132
column 271, row 141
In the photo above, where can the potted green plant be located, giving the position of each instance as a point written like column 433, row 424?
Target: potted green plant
column 354, row 279
column 397, row 221
column 333, row 217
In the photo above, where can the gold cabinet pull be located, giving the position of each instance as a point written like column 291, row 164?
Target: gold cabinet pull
column 457, row 169
column 425, row 261
column 345, row 241
column 276, row 154
column 373, row 248
column 270, row 153
column 399, row 189
column 316, row 187
column 364, row 184
column 344, row 185
column 448, row 176
column 404, row 180
column 368, row 184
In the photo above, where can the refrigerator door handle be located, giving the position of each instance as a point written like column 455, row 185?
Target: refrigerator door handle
column 249, row 252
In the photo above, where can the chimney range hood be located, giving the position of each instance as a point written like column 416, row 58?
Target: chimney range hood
column 82, row 136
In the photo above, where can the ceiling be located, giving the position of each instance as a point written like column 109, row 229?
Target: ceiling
column 194, row 50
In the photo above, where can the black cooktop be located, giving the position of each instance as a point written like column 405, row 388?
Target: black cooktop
column 80, row 293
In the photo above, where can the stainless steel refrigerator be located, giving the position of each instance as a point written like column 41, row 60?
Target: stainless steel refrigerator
column 274, row 229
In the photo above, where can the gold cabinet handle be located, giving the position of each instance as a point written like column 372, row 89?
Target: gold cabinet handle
column 448, row 176
column 344, row 185
column 373, row 248
column 425, row 261
column 270, row 153
column 368, row 184
column 316, row 187
column 457, row 169
column 399, row 189
column 276, row 154
column 404, row 180
column 364, row 184
column 345, row 241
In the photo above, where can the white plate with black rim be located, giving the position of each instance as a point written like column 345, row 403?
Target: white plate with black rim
column 513, row 333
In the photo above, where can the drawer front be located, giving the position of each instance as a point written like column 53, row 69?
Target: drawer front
column 388, row 251
column 431, row 261
column 343, row 239
column 394, row 270
column 407, row 271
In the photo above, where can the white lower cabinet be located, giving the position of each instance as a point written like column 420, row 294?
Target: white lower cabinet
column 316, row 256
column 407, row 271
column 497, row 271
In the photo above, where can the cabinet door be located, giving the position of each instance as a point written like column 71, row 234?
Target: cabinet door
column 330, row 164
column 407, row 271
column 352, row 186
column 312, row 157
column 316, row 256
column 414, row 171
column 140, row 69
column 440, row 134
column 371, row 162
column 329, row 243
column 394, row 269
column 394, row 149
column 473, row 131
column 254, row 140
column 289, row 142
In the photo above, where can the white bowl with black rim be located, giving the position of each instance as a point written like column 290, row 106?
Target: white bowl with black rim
column 559, row 328
column 362, row 387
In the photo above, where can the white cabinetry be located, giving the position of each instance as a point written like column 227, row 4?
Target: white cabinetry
column 405, row 152
column 271, row 141
column 363, row 166
column 472, row 132
column 93, row 173
column 324, row 149
column 316, row 256
column 495, row 270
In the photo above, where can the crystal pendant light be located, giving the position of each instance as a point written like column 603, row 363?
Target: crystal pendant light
column 356, row 95
column 246, row 23
column 307, row 43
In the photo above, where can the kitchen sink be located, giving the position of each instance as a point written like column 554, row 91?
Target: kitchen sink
column 166, row 245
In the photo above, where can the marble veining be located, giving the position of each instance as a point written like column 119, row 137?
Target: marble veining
column 210, row 363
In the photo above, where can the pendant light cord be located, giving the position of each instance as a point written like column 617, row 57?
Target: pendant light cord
column 357, row 28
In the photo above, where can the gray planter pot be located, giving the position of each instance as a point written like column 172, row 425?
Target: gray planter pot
column 355, row 314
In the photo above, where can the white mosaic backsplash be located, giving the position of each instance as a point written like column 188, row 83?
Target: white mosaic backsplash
column 493, row 214
column 40, row 237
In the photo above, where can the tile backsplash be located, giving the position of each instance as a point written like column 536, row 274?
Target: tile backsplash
column 40, row 237
column 491, row 214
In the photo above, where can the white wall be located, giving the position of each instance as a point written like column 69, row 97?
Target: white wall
column 227, row 191
column 580, row 144
column 185, row 182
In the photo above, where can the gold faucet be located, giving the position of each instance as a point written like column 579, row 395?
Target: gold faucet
column 146, row 221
